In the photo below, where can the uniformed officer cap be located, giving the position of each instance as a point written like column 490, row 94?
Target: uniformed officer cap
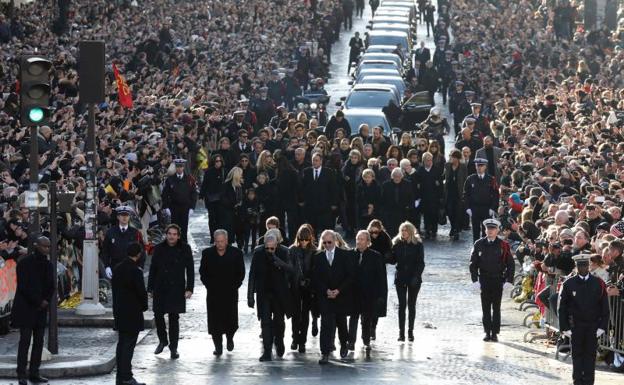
column 179, row 162
column 459, row 83
column 491, row 222
column 239, row 112
column 470, row 120
column 582, row 259
column 470, row 93
column 475, row 104
column 264, row 89
column 480, row 161
column 123, row 210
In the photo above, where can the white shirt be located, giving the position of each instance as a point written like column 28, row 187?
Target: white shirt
column 180, row 176
column 329, row 254
column 123, row 228
column 584, row 277
column 317, row 173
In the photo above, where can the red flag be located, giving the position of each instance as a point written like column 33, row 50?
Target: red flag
column 125, row 97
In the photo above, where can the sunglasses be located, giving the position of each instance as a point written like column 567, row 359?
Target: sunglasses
column 374, row 232
column 327, row 242
column 304, row 240
column 269, row 248
column 218, row 161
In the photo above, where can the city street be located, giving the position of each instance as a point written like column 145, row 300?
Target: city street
column 448, row 347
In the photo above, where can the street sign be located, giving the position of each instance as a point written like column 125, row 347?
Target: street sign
column 36, row 199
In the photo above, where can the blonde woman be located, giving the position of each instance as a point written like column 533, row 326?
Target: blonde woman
column 265, row 163
column 231, row 203
column 409, row 257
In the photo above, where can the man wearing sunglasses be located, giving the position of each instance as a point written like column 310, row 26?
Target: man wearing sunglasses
column 333, row 279
column 269, row 279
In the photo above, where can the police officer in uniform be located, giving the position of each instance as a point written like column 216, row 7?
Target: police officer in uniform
column 481, row 197
column 482, row 125
column 491, row 270
column 179, row 196
column 117, row 239
column 129, row 303
column 583, row 317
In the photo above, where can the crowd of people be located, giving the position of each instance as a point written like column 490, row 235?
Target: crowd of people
column 536, row 100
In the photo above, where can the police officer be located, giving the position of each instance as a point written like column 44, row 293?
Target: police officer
column 583, row 317
column 117, row 239
column 129, row 303
column 482, row 125
column 179, row 196
column 481, row 197
column 491, row 270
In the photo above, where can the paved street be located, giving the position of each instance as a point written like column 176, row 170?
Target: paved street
column 448, row 347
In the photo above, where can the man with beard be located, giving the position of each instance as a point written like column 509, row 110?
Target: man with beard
column 170, row 282
column 492, row 154
column 222, row 271
column 269, row 279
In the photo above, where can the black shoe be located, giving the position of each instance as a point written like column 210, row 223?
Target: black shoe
column 494, row 338
column 22, row 381
column 456, row 237
column 265, row 357
column 373, row 336
column 175, row 355
column 131, row 382
column 314, row 329
column 293, row 346
column 368, row 351
column 401, row 337
column 487, row 337
column 160, row 348
column 410, row 336
column 324, row 360
column 302, row 348
column 280, row 349
column 218, row 351
column 37, row 379
column 344, row 351
column 351, row 346
column 230, row 344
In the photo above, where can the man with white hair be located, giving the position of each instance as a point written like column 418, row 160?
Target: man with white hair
column 269, row 279
column 397, row 197
column 333, row 281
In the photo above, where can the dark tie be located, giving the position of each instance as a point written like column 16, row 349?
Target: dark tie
column 316, row 174
column 123, row 230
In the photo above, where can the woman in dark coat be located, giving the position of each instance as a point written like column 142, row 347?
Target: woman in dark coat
column 287, row 183
column 368, row 198
column 222, row 271
column 430, row 192
column 352, row 175
column 211, row 190
column 455, row 174
column 232, row 198
column 301, row 256
column 171, row 280
column 381, row 243
column 249, row 171
column 409, row 257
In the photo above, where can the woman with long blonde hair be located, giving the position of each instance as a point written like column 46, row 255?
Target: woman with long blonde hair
column 409, row 257
column 231, row 202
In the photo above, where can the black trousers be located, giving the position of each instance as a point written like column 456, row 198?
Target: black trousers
column 477, row 218
column 174, row 329
column 329, row 323
column 214, row 219
column 179, row 216
column 35, row 354
column 407, row 298
column 491, row 295
column 125, row 350
column 429, row 22
column 367, row 327
column 301, row 316
column 272, row 323
column 430, row 213
column 454, row 212
column 348, row 19
column 584, row 345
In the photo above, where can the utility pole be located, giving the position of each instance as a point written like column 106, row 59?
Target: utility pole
column 91, row 88
column 53, row 329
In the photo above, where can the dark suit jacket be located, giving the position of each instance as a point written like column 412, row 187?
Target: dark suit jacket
column 423, row 55
column 129, row 296
column 337, row 276
column 267, row 271
column 319, row 195
column 462, row 174
column 370, row 283
column 35, row 283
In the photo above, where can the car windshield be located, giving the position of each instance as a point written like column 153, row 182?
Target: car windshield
column 397, row 82
column 388, row 40
column 368, row 99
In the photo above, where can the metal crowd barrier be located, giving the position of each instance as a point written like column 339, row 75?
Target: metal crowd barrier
column 613, row 339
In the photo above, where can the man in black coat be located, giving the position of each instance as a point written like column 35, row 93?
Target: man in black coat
column 397, row 198
column 179, row 196
column 35, row 286
column 319, row 194
column 333, row 280
column 356, row 45
column 117, row 240
column 422, row 55
column 583, row 316
column 430, row 194
column 370, row 289
column 170, row 282
column 129, row 303
column 491, row 269
column 269, row 279
column 222, row 271
column 481, row 197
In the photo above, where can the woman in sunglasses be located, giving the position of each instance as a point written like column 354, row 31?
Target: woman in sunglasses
column 301, row 255
column 381, row 243
column 409, row 257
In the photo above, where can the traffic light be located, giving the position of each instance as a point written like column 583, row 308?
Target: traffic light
column 34, row 90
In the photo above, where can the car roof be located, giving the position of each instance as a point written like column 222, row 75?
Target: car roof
column 381, row 54
column 379, row 71
column 374, row 87
column 377, row 61
column 380, row 46
column 363, row 111
column 386, row 33
column 382, row 77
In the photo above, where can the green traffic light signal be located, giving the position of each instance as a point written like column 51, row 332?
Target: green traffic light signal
column 36, row 114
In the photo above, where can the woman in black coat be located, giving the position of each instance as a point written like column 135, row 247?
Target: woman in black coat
column 381, row 243
column 409, row 257
column 430, row 191
column 210, row 192
column 368, row 198
column 302, row 254
column 222, row 271
column 287, row 184
column 232, row 197
column 352, row 175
